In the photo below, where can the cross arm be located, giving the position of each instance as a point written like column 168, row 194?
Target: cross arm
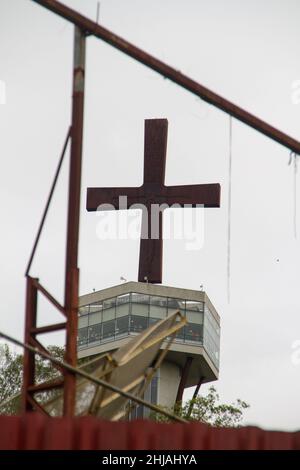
column 99, row 196
column 206, row 194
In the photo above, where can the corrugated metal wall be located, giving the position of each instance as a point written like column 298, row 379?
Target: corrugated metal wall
column 35, row 431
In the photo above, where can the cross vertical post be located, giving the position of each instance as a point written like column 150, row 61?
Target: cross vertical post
column 155, row 153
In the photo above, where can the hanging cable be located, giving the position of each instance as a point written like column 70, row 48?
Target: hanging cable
column 293, row 158
column 98, row 12
column 229, row 208
column 295, row 195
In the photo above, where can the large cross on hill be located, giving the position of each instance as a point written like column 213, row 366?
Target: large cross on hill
column 153, row 192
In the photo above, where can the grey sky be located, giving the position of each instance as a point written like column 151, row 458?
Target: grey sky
column 247, row 51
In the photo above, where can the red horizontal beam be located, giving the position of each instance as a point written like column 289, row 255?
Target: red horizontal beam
column 92, row 28
column 42, row 387
column 48, row 328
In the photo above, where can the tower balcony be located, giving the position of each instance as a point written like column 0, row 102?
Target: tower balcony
column 108, row 318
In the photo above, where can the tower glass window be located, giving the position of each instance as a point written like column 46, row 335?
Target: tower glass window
column 131, row 313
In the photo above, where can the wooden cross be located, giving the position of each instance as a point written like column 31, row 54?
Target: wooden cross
column 154, row 191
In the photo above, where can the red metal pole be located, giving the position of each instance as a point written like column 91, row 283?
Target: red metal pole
column 72, row 271
column 29, row 356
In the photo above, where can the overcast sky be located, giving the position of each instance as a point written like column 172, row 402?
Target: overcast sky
column 247, row 51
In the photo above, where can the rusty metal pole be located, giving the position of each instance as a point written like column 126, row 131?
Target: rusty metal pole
column 29, row 356
column 72, row 271
column 90, row 27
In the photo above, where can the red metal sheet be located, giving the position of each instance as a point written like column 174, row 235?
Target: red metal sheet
column 37, row 432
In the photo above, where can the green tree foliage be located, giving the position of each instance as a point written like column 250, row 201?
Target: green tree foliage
column 208, row 409
column 11, row 376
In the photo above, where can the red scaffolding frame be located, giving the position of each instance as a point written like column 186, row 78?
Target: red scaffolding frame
column 83, row 28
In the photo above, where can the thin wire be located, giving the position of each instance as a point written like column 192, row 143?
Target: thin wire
column 87, row 376
column 295, row 195
column 98, row 12
column 293, row 158
column 229, row 210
